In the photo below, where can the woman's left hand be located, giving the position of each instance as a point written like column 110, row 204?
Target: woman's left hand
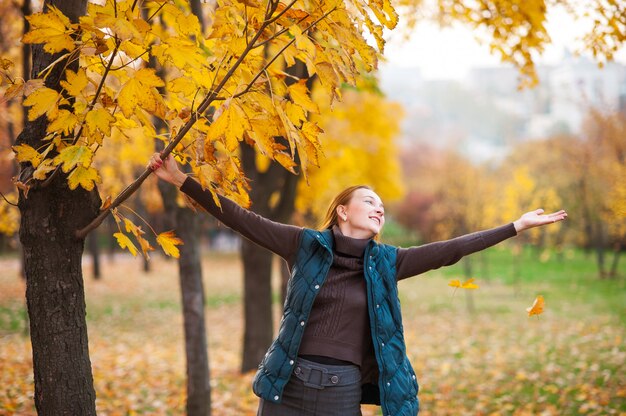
column 536, row 218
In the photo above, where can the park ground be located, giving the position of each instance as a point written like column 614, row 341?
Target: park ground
column 494, row 360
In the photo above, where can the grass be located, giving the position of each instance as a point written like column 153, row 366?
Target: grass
column 489, row 360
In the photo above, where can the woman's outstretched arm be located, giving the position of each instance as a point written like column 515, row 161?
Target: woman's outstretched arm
column 416, row 260
column 281, row 239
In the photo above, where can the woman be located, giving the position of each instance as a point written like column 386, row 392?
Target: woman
column 340, row 341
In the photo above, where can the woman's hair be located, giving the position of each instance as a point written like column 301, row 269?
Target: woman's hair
column 343, row 198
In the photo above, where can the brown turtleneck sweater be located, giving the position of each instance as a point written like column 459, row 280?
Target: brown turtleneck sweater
column 338, row 325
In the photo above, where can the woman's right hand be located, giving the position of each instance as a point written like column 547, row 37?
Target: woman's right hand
column 167, row 169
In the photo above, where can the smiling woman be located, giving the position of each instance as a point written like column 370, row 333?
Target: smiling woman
column 341, row 341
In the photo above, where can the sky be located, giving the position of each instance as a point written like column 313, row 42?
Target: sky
column 449, row 53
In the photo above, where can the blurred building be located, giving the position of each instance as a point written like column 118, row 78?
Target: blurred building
column 487, row 112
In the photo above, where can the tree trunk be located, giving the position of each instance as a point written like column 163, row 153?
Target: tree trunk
column 258, row 330
column 615, row 262
column 52, row 263
column 192, row 295
column 192, row 299
column 599, row 246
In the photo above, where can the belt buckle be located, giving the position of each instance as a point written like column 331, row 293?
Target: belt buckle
column 316, row 378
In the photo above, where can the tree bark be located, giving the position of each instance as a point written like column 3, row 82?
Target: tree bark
column 192, row 295
column 52, row 264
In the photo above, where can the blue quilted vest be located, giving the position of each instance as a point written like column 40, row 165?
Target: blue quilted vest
column 396, row 382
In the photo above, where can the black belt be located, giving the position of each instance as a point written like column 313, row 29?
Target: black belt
column 319, row 376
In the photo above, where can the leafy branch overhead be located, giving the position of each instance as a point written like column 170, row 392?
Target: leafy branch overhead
column 218, row 88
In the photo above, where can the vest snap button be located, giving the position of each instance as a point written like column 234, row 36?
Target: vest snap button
column 382, row 344
column 290, row 362
column 388, row 384
column 275, row 397
column 317, row 286
column 334, row 379
column 302, row 323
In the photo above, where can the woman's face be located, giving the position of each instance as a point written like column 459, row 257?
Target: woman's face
column 363, row 216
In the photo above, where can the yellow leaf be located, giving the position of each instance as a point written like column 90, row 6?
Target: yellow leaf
column 187, row 25
column 148, row 77
column 42, row 101
column 125, row 242
column 145, row 246
column 14, row 89
column 132, row 228
column 138, row 92
column 75, row 82
column 537, row 307
column 183, row 85
column 74, row 155
column 299, row 94
column 6, row 63
column 52, row 29
column 168, row 242
column 469, row 284
column 99, row 119
column 25, row 153
column 65, row 122
column 85, row 177
column 42, row 170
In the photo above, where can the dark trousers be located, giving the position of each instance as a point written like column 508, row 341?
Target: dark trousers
column 318, row 389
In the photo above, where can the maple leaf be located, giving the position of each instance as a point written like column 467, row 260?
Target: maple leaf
column 124, row 242
column 65, row 122
column 16, row 88
column 145, row 246
column 99, row 119
column 299, row 93
column 74, row 155
column 468, row 284
column 132, row 228
column 75, row 82
column 537, row 306
column 42, row 101
column 42, row 170
column 138, row 92
column 168, row 242
column 25, row 153
column 52, row 29
column 83, row 176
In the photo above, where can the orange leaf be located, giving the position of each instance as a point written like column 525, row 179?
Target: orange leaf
column 538, row 306
column 168, row 242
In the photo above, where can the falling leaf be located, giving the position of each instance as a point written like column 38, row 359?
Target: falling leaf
column 537, row 307
column 168, row 241
column 468, row 284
